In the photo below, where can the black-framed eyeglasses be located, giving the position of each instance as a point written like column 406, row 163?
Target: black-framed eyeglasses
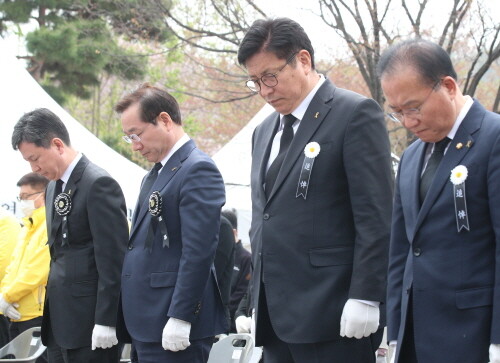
column 26, row 196
column 268, row 79
column 135, row 137
column 411, row 113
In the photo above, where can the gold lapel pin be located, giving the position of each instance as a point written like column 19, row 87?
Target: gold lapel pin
column 316, row 115
column 469, row 143
column 174, row 168
column 459, row 145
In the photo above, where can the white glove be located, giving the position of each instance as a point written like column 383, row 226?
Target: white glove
column 103, row 337
column 9, row 310
column 176, row 335
column 393, row 345
column 358, row 319
column 243, row 324
column 494, row 353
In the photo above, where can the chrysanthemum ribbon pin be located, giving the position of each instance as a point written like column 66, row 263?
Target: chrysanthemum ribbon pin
column 458, row 177
column 311, row 151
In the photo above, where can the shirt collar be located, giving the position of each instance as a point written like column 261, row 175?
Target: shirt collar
column 300, row 111
column 185, row 138
column 463, row 112
column 71, row 167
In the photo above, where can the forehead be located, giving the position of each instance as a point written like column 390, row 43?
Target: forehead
column 262, row 63
column 29, row 150
column 131, row 119
column 402, row 86
column 26, row 189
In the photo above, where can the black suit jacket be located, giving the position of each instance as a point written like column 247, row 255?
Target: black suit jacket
column 314, row 253
column 84, row 280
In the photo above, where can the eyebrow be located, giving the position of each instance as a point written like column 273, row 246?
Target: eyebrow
column 404, row 105
column 130, row 131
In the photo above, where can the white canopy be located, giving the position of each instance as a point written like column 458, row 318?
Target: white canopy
column 20, row 93
column 234, row 162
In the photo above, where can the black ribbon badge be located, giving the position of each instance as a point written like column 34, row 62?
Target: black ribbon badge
column 155, row 209
column 458, row 176
column 310, row 151
column 62, row 206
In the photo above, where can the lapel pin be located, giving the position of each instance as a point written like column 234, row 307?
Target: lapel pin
column 316, row 115
column 174, row 168
column 459, row 145
column 469, row 143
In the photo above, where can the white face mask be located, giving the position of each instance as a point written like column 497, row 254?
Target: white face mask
column 27, row 207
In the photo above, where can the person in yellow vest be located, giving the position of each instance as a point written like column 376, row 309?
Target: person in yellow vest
column 9, row 232
column 26, row 276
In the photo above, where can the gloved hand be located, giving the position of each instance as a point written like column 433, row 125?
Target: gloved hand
column 494, row 353
column 9, row 310
column 393, row 345
column 176, row 335
column 103, row 337
column 358, row 319
column 243, row 324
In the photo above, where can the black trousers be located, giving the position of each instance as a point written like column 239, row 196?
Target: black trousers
column 4, row 330
column 344, row 350
column 408, row 353
column 57, row 354
column 197, row 352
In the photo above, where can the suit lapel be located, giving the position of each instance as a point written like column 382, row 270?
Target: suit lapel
column 49, row 202
column 266, row 146
column 313, row 118
column 167, row 172
column 409, row 184
column 470, row 125
column 71, row 188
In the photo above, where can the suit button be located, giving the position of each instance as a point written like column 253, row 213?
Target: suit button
column 266, row 216
column 416, row 252
column 130, row 247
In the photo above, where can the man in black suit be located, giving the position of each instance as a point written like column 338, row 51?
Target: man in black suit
column 321, row 195
column 87, row 234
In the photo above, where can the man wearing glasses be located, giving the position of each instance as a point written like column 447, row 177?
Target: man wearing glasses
column 23, row 286
column 444, row 263
column 171, row 305
column 321, row 196
column 87, row 235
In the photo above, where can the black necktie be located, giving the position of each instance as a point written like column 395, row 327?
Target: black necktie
column 432, row 165
column 148, row 182
column 58, row 188
column 286, row 140
column 57, row 191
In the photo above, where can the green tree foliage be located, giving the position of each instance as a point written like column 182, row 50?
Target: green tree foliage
column 77, row 40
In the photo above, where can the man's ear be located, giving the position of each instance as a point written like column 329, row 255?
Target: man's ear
column 165, row 118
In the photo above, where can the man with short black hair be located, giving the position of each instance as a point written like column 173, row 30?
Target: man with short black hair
column 87, row 234
column 321, row 202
